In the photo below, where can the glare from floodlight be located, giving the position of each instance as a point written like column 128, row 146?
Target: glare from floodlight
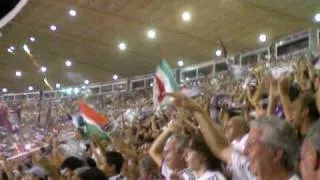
column 26, row 49
column 4, row 90
column 115, row 77
column 72, row 12
column 18, row 73
column 68, row 63
column 43, row 69
column 122, row 46
column 218, row 52
column 86, row 82
column 180, row 63
column 187, row 79
column 12, row 48
column 30, row 88
column 152, row 34
column 53, row 28
column 317, row 17
column 69, row 91
column 58, row 86
column 10, row 51
column 32, row 39
column 76, row 90
column 151, row 84
column 263, row 38
column 186, row 16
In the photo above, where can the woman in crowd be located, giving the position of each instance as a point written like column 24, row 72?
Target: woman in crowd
column 203, row 163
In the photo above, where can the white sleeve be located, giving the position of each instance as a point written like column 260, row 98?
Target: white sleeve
column 187, row 175
column 240, row 167
column 165, row 170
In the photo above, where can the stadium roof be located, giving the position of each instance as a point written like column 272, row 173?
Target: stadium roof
column 90, row 38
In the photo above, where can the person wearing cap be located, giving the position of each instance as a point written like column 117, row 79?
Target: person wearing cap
column 35, row 173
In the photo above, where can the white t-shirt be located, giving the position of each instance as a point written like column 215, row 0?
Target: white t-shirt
column 240, row 145
column 294, row 177
column 211, row 175
column 240, row 167
column 166, row 172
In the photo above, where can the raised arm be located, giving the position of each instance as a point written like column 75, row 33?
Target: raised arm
column 158, row 145
column 284, row 87
column 211, row 132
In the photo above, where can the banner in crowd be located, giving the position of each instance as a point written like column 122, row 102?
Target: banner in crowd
column 164, row 82
column 91, row 121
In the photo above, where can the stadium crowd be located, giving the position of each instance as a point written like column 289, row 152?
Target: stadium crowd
column 263, row 126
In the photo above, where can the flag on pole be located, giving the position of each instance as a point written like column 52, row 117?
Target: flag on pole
column 164, row 82
column 91, row 121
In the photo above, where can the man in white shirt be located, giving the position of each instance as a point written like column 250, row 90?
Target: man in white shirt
column 271, row 150
column 236, row 131
column 168, row 153
column 310, row 153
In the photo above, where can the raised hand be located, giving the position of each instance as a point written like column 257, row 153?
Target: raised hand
column 185, row 102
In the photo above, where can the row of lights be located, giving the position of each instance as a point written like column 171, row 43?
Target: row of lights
column 151, row 34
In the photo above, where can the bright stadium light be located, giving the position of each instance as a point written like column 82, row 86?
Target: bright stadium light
column 86, row 82
column 263, row 38
column 72, row 12
column 18, row 73
column 30, row 88
column 180, row 63
column 53, row 27
column 122, row 46
column 317, row 17
column 58, row 86
column 32, row 39
column 43, row 69
column 68, row 63
column 218, row 52
column 115, row 77
column 151, row 34
column 4, row 90
column 186, row 16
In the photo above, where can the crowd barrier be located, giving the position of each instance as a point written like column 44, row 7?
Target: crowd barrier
column 305, row 42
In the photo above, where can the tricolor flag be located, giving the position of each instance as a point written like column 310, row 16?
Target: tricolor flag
column 164, row 82
column 92, row 121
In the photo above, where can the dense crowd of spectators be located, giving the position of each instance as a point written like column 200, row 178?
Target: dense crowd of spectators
column 263, row 125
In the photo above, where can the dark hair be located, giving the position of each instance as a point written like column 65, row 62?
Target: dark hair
column 92, row 174
column 116, row 159
column 308, row 101
column 198, row 144
column 72, row 163
column 4, row 176
column 147, row 163
column 91, row 162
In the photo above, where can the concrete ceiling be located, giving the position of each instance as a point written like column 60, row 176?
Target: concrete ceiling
column 90, row 39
